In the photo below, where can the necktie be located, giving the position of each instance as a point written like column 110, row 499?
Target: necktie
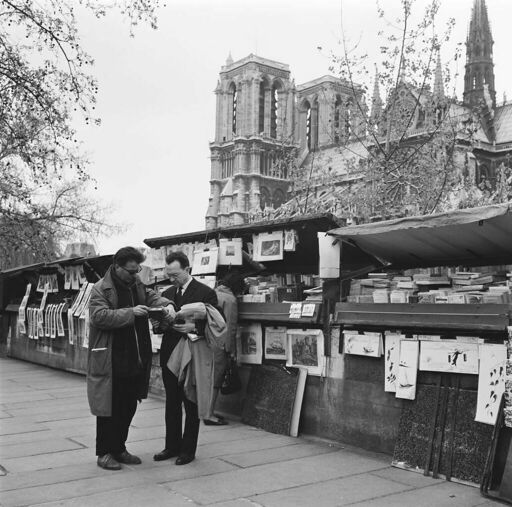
column 179, row 296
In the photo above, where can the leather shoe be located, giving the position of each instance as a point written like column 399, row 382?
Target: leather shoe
column 108, row 462
column 165, row 454
column 210, row 422
column 128, row 459
column 185, row 459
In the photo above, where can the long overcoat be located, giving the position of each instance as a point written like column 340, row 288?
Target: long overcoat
column 105, row 317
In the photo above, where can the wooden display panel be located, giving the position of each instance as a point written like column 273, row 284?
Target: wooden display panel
column 475, row 317
column 275, row 312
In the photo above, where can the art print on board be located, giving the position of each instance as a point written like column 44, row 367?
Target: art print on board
column 268, row 247
column 251, row 343
column 407, row 369
column 367, row 344
column 306, row 348
column 491, row 381
column 230, row 252
column 275, row 343
column 290, row 240
column 449, row 357
column 392, row 360
column 205, row 261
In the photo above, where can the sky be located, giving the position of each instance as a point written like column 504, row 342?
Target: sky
column 150, row 156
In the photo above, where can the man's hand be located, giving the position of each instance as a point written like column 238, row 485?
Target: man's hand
column 169, row 313
column 140, row 311
column 187, row 327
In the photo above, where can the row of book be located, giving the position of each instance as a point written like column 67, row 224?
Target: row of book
column 460, row 287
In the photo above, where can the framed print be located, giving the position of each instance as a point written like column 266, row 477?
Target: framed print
column 391, row 360
column 268, row 247
column 491, row 381
column 251, row 343
column 290, row 240
column 449, row 357
column 275, row 343
column 367, row 344
column 407, row 369
column 306, row 348
column 205, row 261
column 230, row 252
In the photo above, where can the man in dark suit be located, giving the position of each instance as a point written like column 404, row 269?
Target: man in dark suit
column 185, row 290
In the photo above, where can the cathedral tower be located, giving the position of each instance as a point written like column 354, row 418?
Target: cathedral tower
column 254, row 123
column 479, row 74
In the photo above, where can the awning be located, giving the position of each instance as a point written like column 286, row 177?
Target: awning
column 473, row 237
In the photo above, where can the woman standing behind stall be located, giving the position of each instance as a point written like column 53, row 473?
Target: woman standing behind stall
column 227, row 291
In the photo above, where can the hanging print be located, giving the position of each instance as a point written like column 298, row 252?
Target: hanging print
column 407, row 369
column 449, row 357
column 391, row 359
column 491, row 381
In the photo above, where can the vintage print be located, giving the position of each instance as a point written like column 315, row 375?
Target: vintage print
column 251, row 343
column 306, row 348
column 449, row 357
column 407, row 369
column 275, row 343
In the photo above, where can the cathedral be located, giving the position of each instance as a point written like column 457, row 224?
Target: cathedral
column 262, row 115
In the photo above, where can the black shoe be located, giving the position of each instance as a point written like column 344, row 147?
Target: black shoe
column 165, row 454
column 185, row 459
column 128, row 459
column 210, row 422
column 108, row 462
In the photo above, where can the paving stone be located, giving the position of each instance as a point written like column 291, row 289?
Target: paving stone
column 272, row 477
column 444, row 494
column 299, row 450
column 13, row 427
column 409, row 478
column 50, row 460
column 154, row 495
column 333, row 493
column 35, row 448
column 55, row 475
column 110, row 480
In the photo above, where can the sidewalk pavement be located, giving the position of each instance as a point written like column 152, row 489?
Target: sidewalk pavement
column 47, row 458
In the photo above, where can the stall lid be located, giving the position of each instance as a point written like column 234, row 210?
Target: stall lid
column 473, row 237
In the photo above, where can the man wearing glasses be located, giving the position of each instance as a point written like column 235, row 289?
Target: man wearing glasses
column 119, row 358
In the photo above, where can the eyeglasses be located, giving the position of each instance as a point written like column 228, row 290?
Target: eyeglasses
column 132, row 271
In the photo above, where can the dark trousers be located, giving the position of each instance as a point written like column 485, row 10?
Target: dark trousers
column 112, row 432
column 180, row 441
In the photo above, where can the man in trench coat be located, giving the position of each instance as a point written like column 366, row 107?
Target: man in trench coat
column 119, row 357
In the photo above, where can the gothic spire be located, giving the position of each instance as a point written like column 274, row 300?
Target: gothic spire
column 229, row 59
column 376, row 110
column 438, row 92
column 479, row 63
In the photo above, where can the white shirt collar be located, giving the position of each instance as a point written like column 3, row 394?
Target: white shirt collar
column 184, row 287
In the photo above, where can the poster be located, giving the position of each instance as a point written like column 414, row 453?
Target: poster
column 407, row 369
column 275, row 342
column 449, row 357
column 391, row 360
column 205, row 261
column 306, row 348
column 268, row 246
column 67, row 278
column 491, row 381
column 367, row 344
column 251, row 343
column 230, row 252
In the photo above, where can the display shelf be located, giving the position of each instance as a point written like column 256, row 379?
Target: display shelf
column 275, row 312
column 474, row 317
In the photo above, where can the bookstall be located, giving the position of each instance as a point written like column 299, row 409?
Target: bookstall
column 286, row 307
column 45, row 310
column 426, row 339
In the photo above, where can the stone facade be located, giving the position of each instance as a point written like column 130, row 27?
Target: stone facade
column 261, row 116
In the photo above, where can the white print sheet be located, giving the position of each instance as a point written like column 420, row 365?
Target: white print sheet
column 491, row 381
column 230, row 252
column 407, row 369
column 275, row 342
column 367, row 344
column 250, row 343
column 449, row 357
column 306, row 348
column 391, row 360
